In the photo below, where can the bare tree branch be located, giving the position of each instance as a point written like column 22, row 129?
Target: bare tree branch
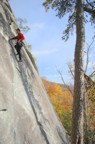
column 64, row 81
column 89, row 10
column 90, row 4
column 92, row 73
column 70, row 70
column 87, row 61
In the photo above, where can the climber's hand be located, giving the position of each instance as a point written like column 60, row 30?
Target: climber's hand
column 19, row 41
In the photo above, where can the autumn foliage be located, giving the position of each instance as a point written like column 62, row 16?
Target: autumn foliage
column 62, row 101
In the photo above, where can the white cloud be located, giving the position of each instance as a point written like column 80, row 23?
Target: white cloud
column 45, row 52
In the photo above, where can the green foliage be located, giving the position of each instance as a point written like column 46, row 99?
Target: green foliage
column 91, row 109
column 66, row 119
column 61, row 99
column 22, row 25
column 63, row 8
column 29, row 46
column 68, row 8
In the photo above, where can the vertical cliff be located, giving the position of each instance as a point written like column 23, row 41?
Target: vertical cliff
column 26, row 113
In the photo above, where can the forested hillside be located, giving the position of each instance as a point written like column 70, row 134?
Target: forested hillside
column 61, row 98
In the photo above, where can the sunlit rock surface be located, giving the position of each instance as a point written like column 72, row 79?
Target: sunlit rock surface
column 26, row 113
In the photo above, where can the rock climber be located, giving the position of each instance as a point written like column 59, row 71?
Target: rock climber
column 19, row 43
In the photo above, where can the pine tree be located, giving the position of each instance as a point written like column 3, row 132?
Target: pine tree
column 76, row 10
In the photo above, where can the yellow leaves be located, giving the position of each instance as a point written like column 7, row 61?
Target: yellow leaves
column 62, row 99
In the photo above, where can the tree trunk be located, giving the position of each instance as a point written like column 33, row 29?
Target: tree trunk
column 86, row 127
column 77, row 124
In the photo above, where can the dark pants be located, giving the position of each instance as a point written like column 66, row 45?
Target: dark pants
column 18, row 47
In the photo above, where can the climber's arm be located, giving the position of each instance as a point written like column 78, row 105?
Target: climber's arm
column 14, row 38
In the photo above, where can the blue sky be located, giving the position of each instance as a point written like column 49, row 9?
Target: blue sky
column 50, row 50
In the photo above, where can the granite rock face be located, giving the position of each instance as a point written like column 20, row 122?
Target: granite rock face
column 26, row 113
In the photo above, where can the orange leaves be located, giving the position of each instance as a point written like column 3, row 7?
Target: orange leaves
column 62, row 99
column 58, row 94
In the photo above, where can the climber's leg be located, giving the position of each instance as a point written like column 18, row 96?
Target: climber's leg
column 18, row 48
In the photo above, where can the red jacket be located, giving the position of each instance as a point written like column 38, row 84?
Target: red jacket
column 20, row 37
